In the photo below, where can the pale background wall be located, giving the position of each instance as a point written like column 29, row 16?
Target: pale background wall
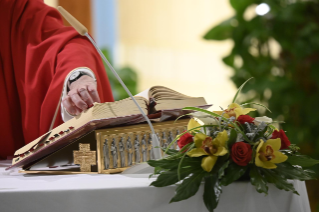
column 162, row 41
column 52, row 3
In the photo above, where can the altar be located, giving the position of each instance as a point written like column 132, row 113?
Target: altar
column 131, row 192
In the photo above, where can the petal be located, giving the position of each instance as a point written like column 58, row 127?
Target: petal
column 226, row 116
column 234, row 105
column 264, row 164
column 258, row 162
column 209, row 162
column 221, row 138
column 192, row 123
column 238, row 112
column 259, row 146
column 247, row 110
column 243, row 111
column 263, row 147
column 262, row 158
column 199, row 138
column 197, row 152
column 221, row 112
column 221, row 151
column 274, row 143
column 279, row 157
column 218, row 112
column 269, row 165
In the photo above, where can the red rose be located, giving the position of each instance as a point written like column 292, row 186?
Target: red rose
column 184, row 140
column 241, row 153
column 285, row 143
column 245, row 118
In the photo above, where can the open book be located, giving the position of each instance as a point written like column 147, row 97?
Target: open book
column 162, row 98
column 152, row 101
column 159, row 102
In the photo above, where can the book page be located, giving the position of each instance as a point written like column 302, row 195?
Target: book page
column 167, row 98
column 175, row 104
column 144, row 94
column 162, row 92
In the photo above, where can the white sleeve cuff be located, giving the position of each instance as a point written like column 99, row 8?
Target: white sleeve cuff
column 64, row 113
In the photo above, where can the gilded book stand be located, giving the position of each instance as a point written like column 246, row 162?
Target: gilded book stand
column 107, row 151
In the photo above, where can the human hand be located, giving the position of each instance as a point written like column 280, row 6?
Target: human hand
column 83, row 93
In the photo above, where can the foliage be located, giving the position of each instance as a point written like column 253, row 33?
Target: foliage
column 220, row 147
column 286, row 82
column 127, row 74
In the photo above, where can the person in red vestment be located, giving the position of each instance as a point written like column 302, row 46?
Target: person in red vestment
column 39, row 57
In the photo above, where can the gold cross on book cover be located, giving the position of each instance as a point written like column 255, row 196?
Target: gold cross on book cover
column 115, row 130
column 84, row 157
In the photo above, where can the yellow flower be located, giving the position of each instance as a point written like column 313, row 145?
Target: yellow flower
column 192, row 124
column 268, row 154
column 213, row 148
column 234, row 110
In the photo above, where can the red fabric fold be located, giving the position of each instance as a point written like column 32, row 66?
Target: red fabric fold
column 36, row 54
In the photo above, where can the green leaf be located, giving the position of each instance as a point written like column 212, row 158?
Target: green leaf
column 182, row 159
column 272, row 127
column 170, row 151
column 221, row 170
column 189, row 114
column 240, row 5
column 294, row 149
column 166, row 178
column 205, row 111
column 258, row 181
column 239, row 90
column 180, row 154
column 277, row 122
column 212, row 192
column 163, row 163
column 173, row 164
column 189, row 186
column 233, row 173
column 279, row 181
column 232, row 138
column 222, row 31
column 170, row 177
column 311, row 173
column 290, row 172
column 229, row 60
column 157, row 170
column 254, row 103
column 302, row 160
column 220, row 164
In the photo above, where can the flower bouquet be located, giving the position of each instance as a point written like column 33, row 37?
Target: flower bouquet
column 220, row 147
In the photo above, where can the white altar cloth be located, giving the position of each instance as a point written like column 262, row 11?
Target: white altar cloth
column 121, row 193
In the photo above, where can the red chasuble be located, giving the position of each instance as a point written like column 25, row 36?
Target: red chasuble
column 36, row 54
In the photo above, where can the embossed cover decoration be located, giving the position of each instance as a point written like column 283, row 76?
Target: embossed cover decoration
column 84, row 157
